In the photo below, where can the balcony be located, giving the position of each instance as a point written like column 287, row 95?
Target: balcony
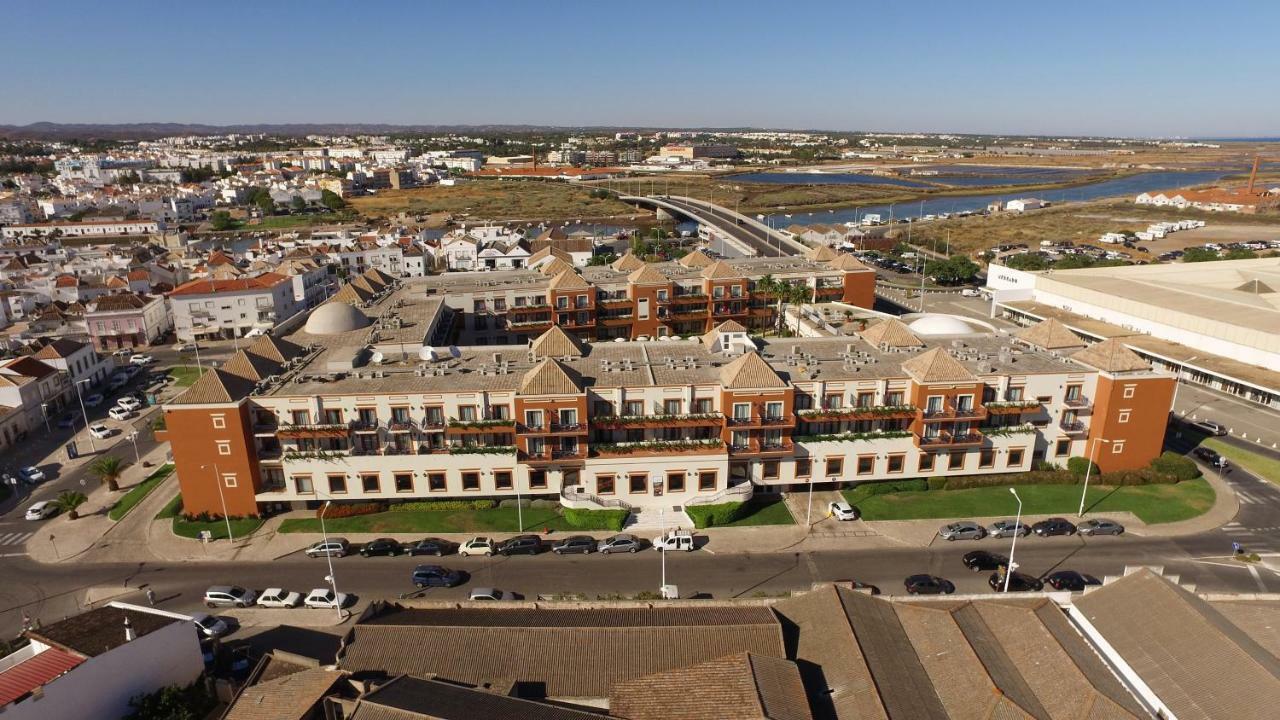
column 951, row 412
column 615, row 320
column 528, row 323
column 1078, row 402
column 760, row 421
column 1072, row 427
column 860, row 412
column 946, row 439
column 614, row 301
column 549, row 455
column 265, row 426
column 473, row 427
column 401, row 425
column 622, row 422
column 1011, row 407
column 644, row 448
column 758, row 448
column 432, row 422
column 311, row 431
column 366, row 425
column 554, row 428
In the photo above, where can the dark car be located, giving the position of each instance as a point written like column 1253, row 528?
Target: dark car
column 980, row 560
column 521, row 545
column 581, row 544
column 1070, row 580
column 381, row 546
column 433, row 546
column 436, row 576
column 1018, row 582
column 1210, row 457
column 1053, row 526
column 66, row 422
column 620, row 543
column 928, row 585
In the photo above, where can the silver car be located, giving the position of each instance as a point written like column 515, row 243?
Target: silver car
column 963, row 530
column 1007, row 528
column 1101, row 526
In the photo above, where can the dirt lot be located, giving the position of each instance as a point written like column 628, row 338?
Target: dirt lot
column 500, row 200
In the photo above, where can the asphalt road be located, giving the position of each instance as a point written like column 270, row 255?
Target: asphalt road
column 753, row 237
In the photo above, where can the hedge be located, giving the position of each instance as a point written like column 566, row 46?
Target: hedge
column 441, row 506
column 892, row 486
column 350, row 510
column 512, row 502
column 595, row 519
column 1081, row 466
column 1171, row 463
column 705, row 516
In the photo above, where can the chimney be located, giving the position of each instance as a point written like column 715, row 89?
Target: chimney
column 129, row 635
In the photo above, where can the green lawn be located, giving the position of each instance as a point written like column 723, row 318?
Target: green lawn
column 1256, row 463
column 1151, row 503
column 218, row 528
column 138, row 492
column 185, row 375
column 426, row 521
column 767, row 512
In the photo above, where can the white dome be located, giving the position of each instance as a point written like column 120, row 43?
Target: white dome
column 940, row 325
column 335, row 318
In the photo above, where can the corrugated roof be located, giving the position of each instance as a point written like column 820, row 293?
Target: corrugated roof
column 743, row 686
column 749, row 371
column 1051, row 335
column 892, row 333
column 18, row 681
column 556, row 343
column 569, row 280
column 1111, row 356
column 550, row 377
column 936, row 366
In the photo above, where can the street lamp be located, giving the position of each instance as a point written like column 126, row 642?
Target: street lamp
column 133, row 437
column 333, row 579
column 85, row 414
column 217, row 479
column 1088, row 470
column 44, row 410
column 1017, row 524
column 662, row 536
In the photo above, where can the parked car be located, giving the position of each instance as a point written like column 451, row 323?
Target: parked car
column 118, row 381
column 122, row 353
column 381, row 546
column 183, row 347
column 41, row 510
column 970, row 292
column 436, row 576
column 67, row 422
column 1210, row 427
column 674, row 540
column 333, row 547
column 1070, row 580
column 208, row 625
column 579, row 544
column 1007, row 528
column 980, row 560
column 963, row 530
column 119, row 413
column 433, row 546
column 228, row 596
column 928, row 585
column 521, row 545
column 129, row 402
column 1018, row 582
column 31, row 474
column 1053, row 526
column 131, row 371
column 1210, row 457
column 1101, row 526
column 487, row 593
column 279, row 598
column 323, row 598
column 620, row 543
column 842, row 511
column 100, row 431
column 141, row 360
column 477, row 546
column 93, row 400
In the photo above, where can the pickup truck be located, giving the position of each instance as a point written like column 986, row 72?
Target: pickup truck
column 674, row 540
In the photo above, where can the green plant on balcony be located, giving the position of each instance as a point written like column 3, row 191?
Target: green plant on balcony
column 875, row 410
column 853, row 437
column 657, row 446
column 482, row 450
column 474, row 424
column 638, row 419
column 1012, row 404
column 1007, row 430
column 321, row 455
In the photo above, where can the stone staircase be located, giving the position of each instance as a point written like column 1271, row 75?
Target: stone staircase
column 648, row 520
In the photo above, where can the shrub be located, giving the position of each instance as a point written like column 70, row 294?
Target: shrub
column 510, row 503
column 432, row 506
column 544, row 503
column 483, row 504
column 1171, row 463
column 1081, row 466
column 595, row 519
column 1034, row 477
column 937, row 483
column 705, row 516
column 885, row 487
column 350, row 510
column 1141, row 476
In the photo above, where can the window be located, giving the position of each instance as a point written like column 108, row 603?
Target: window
column 638, row 483
column 1073, row 393
column 897, row 463
column 707, row 481
column 1129, row 391
column 502, row 479
column 1063, row 447
column 675, row 481
column 804, row 466
column 893, row 397
column 224, row 447
column 370, row 483
column 1015, row 457
column 436, row 482
column 865, row 399
column 1013, row 394
column 742, row 411
column 834, row 401
column 926, row 462
column 1123, row 417
column 633, row 408
column 739, row 439
column 955, row 461
column 702, row 406
column 773, row 410
column 600, row 408
column 986, row 458
column 569, row 417
column 500, row 412
column 302, row 484
column 866, row 464
column 337, row 484
column 537, row 478
column 229, row 479
column 219, row 422
column 934, row 405
column 835, row 467
column 533, row 418
column 470, row 480
column 467, row 413
column 332, row 417
column 672, row 407
column 964, row 403
column 604, row 484
column 297, row 417
column 717, row 292
column 403, row 482
column 1117, row 447
column 769, row 468
column 435, row 416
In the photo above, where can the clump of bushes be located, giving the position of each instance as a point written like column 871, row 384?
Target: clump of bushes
column 705, row 516
column 595, row 519
column 432, row 506
column 1082, row 466
column 1180, row 467
column 350, row 510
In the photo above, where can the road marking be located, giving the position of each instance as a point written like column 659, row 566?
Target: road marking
column 1253, row 570
column 5, row 555
column 15, row 538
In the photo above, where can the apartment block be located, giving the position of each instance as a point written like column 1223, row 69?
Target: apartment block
column 232, row 307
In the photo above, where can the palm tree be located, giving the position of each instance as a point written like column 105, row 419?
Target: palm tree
column 68, row 501
column 108, row 469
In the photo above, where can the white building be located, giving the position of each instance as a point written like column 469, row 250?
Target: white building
column 1024, row 204
column 78, row 360
column 105, row 228
column 231, row 308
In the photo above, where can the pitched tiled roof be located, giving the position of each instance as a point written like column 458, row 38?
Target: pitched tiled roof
column 26, row 367
column 213, row 387
column 749, row 371
column 712, row 336
column 892, row 333
column 411, row 698
column 568, row 280
column 847, row 263
column 275, row 349
column 94, row 632
column 1111, row 356
column 18, row 681
column 351, row 295
column 696, row 259
column 720, row 270
column 291, row 697
column 251, row 367
column 627, row 262
column 206, row 287
column 937, row 366
column 743, row 686
column 554, row 267
column 1050, row 334
column 820, row 253
column 120, row 302
column 647, row 275
column 61, row 348
column 549, row 252
column 556, row 343
column 550, row 377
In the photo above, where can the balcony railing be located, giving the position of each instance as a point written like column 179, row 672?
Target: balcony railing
column 859, row 412
column 757, row 447
column 614, row 422
column 1072, row 426
column 951, row 412
column 1078, row 402
column 759, row 420
column 401, row 425
column 312, row 430
column 972, row 437
column 657, row 447
column 364, row 425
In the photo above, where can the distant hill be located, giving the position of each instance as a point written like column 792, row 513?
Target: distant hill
column 150, row 131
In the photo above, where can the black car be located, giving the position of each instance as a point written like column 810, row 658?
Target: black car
column 382, row 546
column 522, row 545
column 433, row 546
column 1018, row 582
column 1054, row 526
column 1210, row 457
column 581, row 544
column 1070, row 580
column 980, row 560
column 928, row 585
column 436, row 576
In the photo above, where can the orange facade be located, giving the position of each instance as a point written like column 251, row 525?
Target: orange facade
column 860, row 289
column 1130, row 414
column 214, row 444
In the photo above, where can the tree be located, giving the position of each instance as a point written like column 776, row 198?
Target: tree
column 1199, row 254
column 221, row 220
column 265, row 203
column 68, row 501
column 173, row 703
column 332, row 200
column 952, row 271
column 108, row 469
column 1025, row 261
column 1240, row 254
column 297, row 203
column 602, row 259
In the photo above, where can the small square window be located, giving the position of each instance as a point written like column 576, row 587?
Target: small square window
column 403, row 482
column 803, row 467
column 436, row 482
column 707, row 481
column 675, row 481
column 224, row 447
column 835, row 467
column 897, row 463
column 1117, row 447
column 370, row 483
column 219, row 422
column 1123, row 417
column 986, row 458
column 229, row 479
column 955, row 461
column 637, row 484
column 604, row 484
column 1129, row 391
column 471, row 480
column 770, row 469
column 537, row 478
column 337, row 484
column 502, row 479
column 1015, row 457
column 866, row 464
column 1063, row 447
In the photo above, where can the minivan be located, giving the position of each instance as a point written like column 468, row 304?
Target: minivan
column 333, row 547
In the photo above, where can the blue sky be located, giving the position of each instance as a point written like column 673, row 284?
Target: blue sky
column 1120, row 68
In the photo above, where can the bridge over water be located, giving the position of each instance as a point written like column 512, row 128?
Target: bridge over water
column 746, row 234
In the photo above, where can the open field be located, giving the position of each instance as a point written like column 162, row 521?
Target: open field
column 500, row 200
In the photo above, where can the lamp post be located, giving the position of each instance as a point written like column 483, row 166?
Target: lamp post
column 217, row 479
column 1088, row 469
column 85, row 414
column 133, row 437
column 808, row 513
column 1017, row 523
column 44, row 410
column 662, row 535
column 333, row 579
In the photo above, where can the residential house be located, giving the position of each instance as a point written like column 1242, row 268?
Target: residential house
column 232, row 307
column 127, row 320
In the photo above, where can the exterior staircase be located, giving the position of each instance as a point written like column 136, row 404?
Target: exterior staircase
column 644, row 520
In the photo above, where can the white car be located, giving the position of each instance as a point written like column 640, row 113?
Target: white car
column 842, row 511
column 141, row 360
column 122, row 353
column 477, row 546
column 119, row 413
column 41, row 510
column 279, row 598
column 971, row 292
column 100, row 431
column 208, row 625
column 32, row 474
column 129, row 403
column 93, row 400
column 322, row 599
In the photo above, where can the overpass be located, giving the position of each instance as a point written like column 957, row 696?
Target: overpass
column 748, row 235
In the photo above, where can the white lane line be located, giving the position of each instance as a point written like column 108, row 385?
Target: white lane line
column 1253, row 570
column 5, row 555
column 4, row 539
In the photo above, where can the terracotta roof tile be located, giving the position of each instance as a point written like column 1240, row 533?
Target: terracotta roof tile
column 750, row 371
column 550, row 377
column 556, row 343
column 1050, row 334
column 1111, row 356
column 891, row 333
column 568, row 280
column 937, row 366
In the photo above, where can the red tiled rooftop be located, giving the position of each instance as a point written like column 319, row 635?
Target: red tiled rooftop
column 205, row 287
column 18, row 681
